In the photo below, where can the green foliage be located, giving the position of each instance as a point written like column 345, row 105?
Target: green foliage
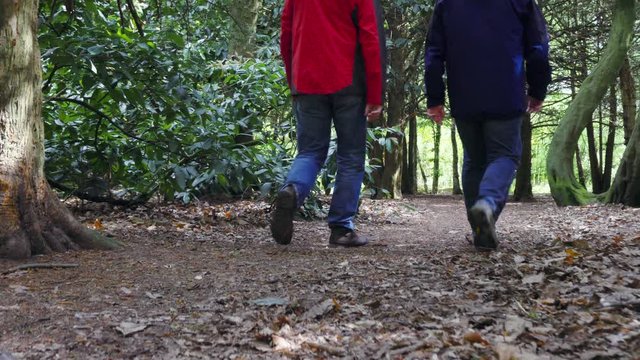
column 128, row 114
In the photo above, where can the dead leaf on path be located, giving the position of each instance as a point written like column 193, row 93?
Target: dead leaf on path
column 320, row 310
column 617, row 240
column 97, row 224
column 283, row 345
column 571, row 256
column 19, row 289
column 475, row 338
column 126, row 291
column 234, row 320
column 270, row 301
column 264, row 335
column 534, row 279
column 514, row 327
column 129, row 328
column 153, row 296
column 6, row 356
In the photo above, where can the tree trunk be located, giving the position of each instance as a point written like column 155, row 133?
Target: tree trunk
column 611, row 139
column 564, row 187
column 457, row 189
column 582, row 179
column 436, row 158
column 626, row 185
column 242, row 35
column 524, row 190
column 410, row 167
column 425, row 181
column 376, row 161
column 392, row 172
column 629, row 107
column 33, row 220
column 594, row 164
column 244, row 19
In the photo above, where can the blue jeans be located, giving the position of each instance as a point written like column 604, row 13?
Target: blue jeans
column 492, row 151
column 314, row 114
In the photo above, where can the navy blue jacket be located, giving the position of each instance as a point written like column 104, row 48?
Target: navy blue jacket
column 491, row 50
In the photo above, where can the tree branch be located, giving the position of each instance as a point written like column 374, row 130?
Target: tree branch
column 136, row 18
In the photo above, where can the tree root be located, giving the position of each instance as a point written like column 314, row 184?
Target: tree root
column 46, row 226
column 39, row 266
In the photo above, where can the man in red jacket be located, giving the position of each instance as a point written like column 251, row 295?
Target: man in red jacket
column 333, row 55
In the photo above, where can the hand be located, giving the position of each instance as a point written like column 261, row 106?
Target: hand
column 373, row 112
column 534, row 105
column 436, row 113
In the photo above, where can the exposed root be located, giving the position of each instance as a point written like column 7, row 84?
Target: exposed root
column 45, row 225
column 39, row 266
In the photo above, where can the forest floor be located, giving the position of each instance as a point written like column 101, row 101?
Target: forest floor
column 206, row 281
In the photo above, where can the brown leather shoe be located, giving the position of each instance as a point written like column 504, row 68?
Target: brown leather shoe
column 346, row 238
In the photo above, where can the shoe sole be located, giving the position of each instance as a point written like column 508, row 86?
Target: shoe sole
column 282, row 220
column 334, row 245
column 485, row 238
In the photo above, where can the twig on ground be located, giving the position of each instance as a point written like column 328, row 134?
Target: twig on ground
column 326, row 348
column 524, row 311
column 39, row 266
column 410, row 348
column 632, row 304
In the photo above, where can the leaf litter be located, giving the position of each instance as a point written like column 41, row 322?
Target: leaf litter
column 206, row 281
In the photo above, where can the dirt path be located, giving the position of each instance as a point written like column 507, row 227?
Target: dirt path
column 207, row 282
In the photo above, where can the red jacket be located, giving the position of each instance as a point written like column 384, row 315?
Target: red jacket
column 334, row 46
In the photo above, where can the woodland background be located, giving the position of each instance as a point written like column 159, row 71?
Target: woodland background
column 188, row 100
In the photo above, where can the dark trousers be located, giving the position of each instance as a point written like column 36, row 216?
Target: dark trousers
column 492, row 151
column 314, row 114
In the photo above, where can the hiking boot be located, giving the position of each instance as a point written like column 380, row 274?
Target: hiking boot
column 282, row 216
column 484, row 236
column 346, row 237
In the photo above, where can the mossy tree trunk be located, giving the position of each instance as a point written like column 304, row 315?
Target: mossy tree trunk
column 33, row 220
column 626, row 185
column 629, row 107
column 244, row 18
column 565, row 189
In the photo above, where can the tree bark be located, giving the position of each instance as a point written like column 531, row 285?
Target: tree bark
column 564, row 187
column 594, row 164
column 244, row 18
column 410, row 167
column 392, row 169
column 524, row 190
column 629, row 107
column 33, row 220
column 626, row 185
column 457, row 189
column 582, row 179
column 436, row 158
column 423, row 174
column 611, row 139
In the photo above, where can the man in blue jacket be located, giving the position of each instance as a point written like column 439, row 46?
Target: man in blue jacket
column 496, row 57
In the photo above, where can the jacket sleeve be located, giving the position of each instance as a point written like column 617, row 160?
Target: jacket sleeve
column 434, row 59
column 371, row 41
column 536, row 51
column 286, row 39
